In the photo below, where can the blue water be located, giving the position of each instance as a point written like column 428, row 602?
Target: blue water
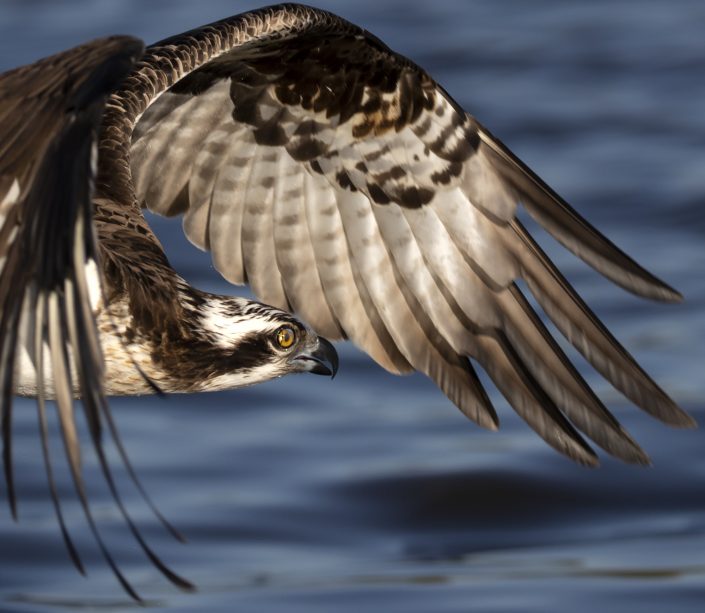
column 373, row 492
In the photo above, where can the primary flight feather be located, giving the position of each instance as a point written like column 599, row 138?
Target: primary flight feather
column 333, row 176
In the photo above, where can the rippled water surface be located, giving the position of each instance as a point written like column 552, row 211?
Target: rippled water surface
column 372, row 492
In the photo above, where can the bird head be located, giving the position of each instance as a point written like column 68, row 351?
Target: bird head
column 252, row 342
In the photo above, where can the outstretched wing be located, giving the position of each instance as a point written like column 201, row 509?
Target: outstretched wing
column 340, row 181
column 50, row 113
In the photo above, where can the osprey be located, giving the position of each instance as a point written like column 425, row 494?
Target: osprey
column 334, row 176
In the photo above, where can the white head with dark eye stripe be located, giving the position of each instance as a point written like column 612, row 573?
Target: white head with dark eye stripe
column 256, row 342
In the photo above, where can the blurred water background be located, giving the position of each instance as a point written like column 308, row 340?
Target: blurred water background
column 373, row 492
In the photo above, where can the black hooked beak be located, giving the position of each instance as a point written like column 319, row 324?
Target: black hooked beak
column 322, row 361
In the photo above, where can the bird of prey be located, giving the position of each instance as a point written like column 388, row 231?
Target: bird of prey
column 332, row 175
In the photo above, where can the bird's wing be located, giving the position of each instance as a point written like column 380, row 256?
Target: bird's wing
column 50, row 114
column 340, row 181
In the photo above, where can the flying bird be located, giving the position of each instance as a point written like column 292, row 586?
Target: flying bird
column 332, row 175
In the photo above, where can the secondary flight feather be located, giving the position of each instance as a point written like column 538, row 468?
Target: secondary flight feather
column 332, row 175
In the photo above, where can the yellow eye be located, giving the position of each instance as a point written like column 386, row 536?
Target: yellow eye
column 286, row 337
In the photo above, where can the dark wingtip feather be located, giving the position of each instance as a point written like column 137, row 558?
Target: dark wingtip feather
column 582, row 407
column 668, row 294
column 630, row 451
column 677, row 417
column 591, row 338
column 570, row 229
column 515, row 381
column 7, row 463
column 661, row 406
